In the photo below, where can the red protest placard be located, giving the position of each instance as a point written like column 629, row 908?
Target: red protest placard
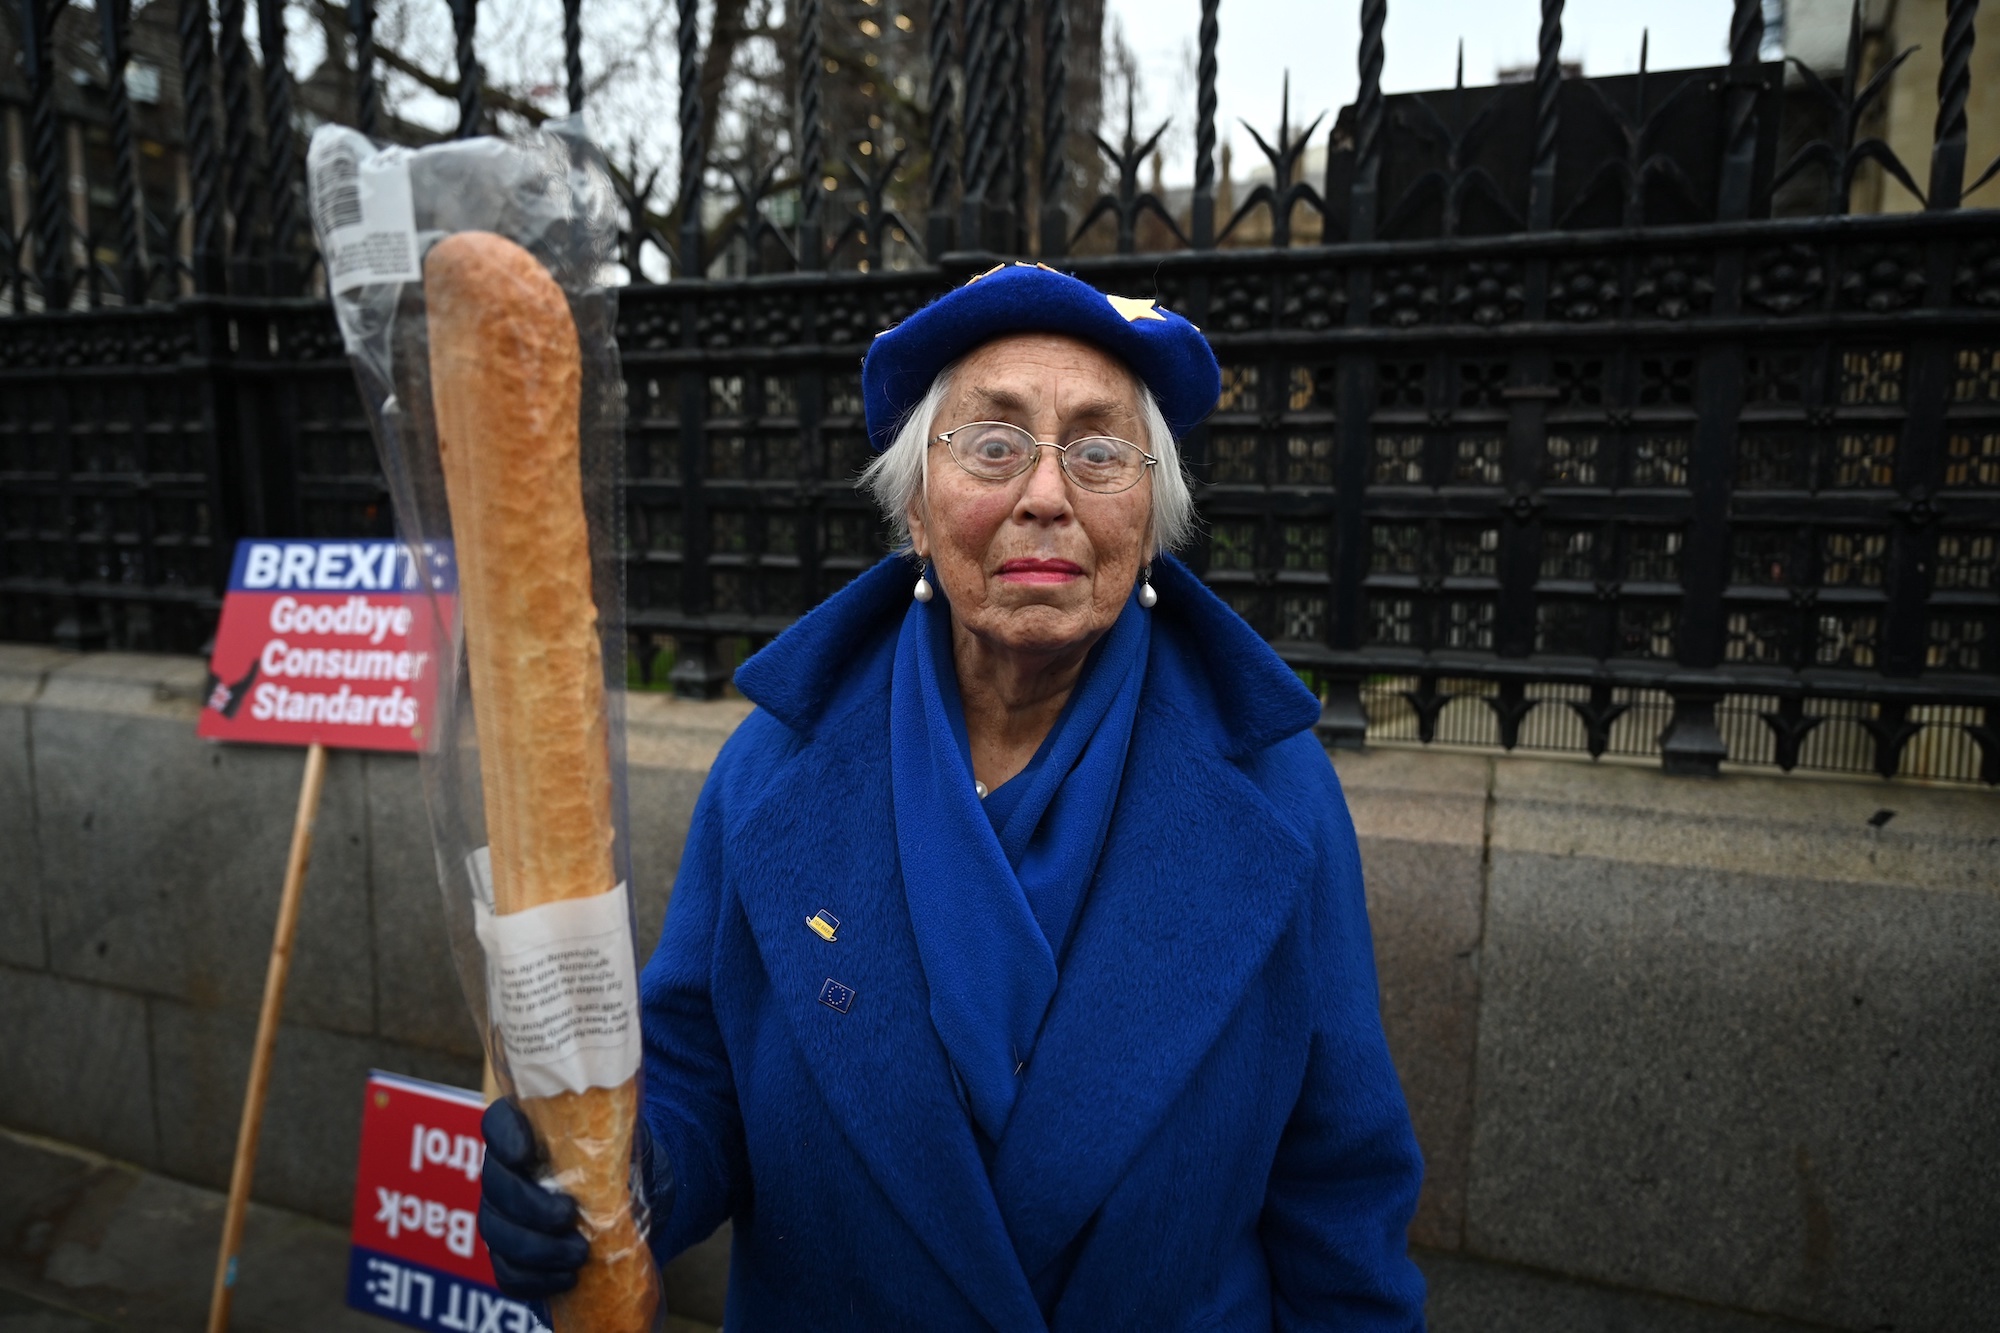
column 329, row 641
column 416, row 1255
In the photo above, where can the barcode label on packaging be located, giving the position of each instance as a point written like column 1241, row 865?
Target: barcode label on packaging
column 339, row 195
column 562, row 989
column 365, row 216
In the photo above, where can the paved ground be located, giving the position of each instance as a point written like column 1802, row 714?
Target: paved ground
column 88, row 1244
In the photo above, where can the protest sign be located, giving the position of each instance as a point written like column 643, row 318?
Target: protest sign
column 321, row 643
column 417, row 1258
column 328, row 641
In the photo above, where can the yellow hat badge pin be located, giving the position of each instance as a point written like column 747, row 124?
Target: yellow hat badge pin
column 1135, row 308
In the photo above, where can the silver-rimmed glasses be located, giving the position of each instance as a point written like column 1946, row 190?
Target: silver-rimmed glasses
column 1000, row 451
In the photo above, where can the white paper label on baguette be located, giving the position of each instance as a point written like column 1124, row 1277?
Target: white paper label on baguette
column 560, row 984
column 365, row 214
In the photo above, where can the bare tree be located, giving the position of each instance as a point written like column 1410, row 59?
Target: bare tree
column 875, row 86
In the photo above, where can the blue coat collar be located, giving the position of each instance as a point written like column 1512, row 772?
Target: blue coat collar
column 1159, row 962
column 1257, row 700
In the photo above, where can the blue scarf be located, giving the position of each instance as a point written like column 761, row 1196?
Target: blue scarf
column 993, row 901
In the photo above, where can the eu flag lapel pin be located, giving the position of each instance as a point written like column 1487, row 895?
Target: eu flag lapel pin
column 824, row 924
column 836, row 996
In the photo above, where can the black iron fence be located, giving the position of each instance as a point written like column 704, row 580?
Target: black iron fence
column 1552, row 437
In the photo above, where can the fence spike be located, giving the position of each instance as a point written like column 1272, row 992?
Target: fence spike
column 1201, row 219
column 198, row 104
column 280, row 155
column 1055, row 127
column 1368, row 123
column 573, row 52
column 115, row 20
column 471, row 108
column 694, row 151
column 238, row 161
column 367, row 98
column 1739, row 154
column 1954, row 84
column 1548, row 118
column 978, row 122
column 51, row 225
column 1011, row 170
column 943, row 130
column 812, row 149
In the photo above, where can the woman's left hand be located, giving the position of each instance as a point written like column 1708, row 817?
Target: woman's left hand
column 530, row 1232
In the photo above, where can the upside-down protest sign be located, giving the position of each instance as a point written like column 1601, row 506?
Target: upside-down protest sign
column 329, row 641
column 417, row 1257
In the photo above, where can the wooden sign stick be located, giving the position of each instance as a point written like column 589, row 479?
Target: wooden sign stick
column 267, row 1038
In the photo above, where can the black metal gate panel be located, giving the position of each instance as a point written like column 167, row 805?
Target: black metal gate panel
column 1538, row 429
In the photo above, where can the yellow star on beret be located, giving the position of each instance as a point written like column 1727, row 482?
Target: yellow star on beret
column 1134, row 308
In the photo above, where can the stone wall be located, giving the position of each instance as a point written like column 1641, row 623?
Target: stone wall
column 1736, row 1041
column 1732, row 1041
column 139, row 878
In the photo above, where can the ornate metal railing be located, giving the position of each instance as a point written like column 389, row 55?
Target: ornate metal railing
column 1554, row 438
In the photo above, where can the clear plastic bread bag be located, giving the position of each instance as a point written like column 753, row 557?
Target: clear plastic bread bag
column 472, row 284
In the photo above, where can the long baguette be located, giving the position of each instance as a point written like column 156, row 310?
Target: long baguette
column 506, row 380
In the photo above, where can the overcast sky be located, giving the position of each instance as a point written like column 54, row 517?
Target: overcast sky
column 1317, row 41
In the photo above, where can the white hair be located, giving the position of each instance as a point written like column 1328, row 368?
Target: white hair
column 897, row 477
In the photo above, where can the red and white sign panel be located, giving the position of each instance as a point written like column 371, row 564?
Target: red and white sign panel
column 416, row 1255
column 329, row 641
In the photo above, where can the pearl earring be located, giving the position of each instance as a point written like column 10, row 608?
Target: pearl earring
column 1147, row 597
column 922, row 592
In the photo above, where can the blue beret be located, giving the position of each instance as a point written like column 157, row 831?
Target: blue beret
column 1166, row 352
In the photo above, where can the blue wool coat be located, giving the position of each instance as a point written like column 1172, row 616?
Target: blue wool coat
column 1209, row 1137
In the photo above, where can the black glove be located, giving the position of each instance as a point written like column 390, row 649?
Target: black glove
column 531, row 1232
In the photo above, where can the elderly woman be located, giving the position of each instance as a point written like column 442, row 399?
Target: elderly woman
column 1018, row 975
